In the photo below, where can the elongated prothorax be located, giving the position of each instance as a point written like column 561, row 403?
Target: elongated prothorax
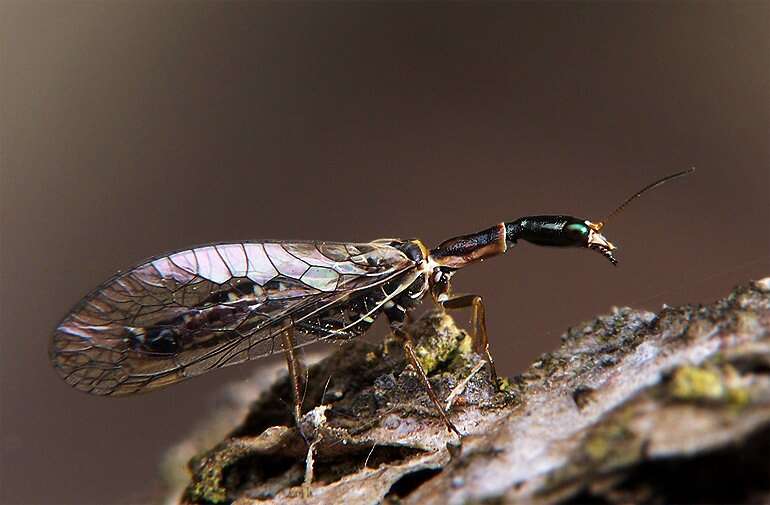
column 555, row 231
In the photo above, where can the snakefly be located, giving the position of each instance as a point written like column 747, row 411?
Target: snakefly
column 183, row 314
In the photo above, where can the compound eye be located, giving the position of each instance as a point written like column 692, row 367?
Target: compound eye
column 578, row 232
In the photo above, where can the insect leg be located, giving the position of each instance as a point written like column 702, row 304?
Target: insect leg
column 295, row 375
column 478, row 325
column 411, row 356
column 295, row 370
column 307, row 485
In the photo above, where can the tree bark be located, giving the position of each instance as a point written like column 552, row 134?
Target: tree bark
column 634, row 407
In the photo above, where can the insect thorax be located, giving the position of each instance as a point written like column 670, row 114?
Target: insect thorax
column 409, row 290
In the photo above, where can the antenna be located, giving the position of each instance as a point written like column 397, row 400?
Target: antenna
column 598, row 226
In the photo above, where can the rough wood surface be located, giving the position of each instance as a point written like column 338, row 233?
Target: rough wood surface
column 634, row 407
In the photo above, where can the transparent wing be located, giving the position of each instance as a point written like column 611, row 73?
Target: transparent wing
column 196, row 310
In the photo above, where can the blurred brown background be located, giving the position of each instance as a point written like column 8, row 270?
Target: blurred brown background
column 129, row 129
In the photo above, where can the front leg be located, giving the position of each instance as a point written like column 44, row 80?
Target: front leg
column 478, row 325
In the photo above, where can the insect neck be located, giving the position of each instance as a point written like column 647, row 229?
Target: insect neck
column 466, row 249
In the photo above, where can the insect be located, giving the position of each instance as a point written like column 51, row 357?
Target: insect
column 192, row 311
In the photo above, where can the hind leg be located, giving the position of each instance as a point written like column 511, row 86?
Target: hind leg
column 295, row 371
column 297, row 385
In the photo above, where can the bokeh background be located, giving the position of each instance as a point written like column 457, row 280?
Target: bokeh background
column 134, row 128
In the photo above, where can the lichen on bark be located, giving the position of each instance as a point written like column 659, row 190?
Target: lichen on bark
column 633, row 407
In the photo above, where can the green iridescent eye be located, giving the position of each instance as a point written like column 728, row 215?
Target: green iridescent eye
column 577, row 230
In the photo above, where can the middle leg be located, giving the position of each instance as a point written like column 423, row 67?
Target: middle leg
column 411, row 357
